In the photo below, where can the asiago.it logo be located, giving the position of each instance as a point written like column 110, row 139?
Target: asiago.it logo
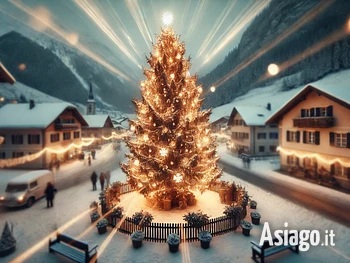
column 302, row 238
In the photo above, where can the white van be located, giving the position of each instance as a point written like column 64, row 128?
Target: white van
column 26, row 188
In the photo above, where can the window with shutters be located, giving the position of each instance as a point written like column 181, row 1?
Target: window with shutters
column 340, row 140
column 76, row 135
column 292, row 160
column 66, row 136
column 311, row 137
column 340, row 170
column 55, row 137
column 2, row 155
column 261, row 149
column 293, row 136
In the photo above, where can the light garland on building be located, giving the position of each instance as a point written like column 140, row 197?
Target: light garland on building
column 173, row 148
column 34, row 156
column 314, row 155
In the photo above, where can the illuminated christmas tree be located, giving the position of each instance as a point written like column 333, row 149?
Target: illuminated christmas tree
column 173, row 151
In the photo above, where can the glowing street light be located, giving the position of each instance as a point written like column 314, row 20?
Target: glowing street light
column 167, row 18
column 212, row 89
column 273, row 69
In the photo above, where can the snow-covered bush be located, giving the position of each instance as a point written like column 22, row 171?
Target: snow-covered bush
column 173, row 239
column 137, row 235
column 102, row 223
column 233, row 210
column 94, row 216
column 196, row 219
column 118, row 212
column 246, row 224
column 255, row 215
column 142, row 218
column 205, row 236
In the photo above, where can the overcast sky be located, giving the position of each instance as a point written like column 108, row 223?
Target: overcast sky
column 209, row 28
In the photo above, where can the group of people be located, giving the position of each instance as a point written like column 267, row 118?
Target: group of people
column 104, row 177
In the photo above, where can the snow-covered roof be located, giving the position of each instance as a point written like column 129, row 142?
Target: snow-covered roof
column 252, row 115
column 96, row 121
column 5, row 75
column 336, row 91
column 40, row 116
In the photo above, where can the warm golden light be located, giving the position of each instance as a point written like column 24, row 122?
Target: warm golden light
column 22, row 67
column 212, row 89
column 273, row 69
column 167, row 18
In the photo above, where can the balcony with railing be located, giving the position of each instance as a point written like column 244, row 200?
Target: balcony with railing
column 314, row 122
column 66, row 126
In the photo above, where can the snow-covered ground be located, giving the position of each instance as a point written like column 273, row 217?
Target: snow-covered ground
column 70, row 215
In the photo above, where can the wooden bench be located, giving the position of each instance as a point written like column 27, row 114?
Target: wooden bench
column 266, row 250
column 76, row 250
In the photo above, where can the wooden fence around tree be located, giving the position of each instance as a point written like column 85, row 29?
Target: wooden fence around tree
column 158, row 232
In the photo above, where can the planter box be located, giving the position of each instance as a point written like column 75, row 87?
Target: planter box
column 255, row 221
column 102, row 230
column 136, row 243
column 246, row 231
column 173, row 247
column 205, row 244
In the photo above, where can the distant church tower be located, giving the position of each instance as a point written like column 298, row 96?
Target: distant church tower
column 91, row 103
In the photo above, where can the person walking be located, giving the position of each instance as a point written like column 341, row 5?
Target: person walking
column 94, row 180
column 89, row 159
column 50, row 194
column 108, row 178
column 102, row 180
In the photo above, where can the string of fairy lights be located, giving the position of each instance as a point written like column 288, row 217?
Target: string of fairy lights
column 31, row 157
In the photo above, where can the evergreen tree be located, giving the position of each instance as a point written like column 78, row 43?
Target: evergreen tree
column 173, row 150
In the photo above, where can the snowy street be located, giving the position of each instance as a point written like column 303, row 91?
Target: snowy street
column 70, row 215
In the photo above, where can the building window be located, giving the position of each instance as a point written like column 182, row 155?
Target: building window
column 33, row 139
column 261, row 135
column 273, row 126
column 55, row 137
column 2, row 155
column 292, row 160
column 66, row 136
column 339, row 170
column 311, row 137
column 17, row 154
column 273, row 148
column 17, row 139
column 293, row 136
column 339, row 139
column 273, row 135
column 261, row 149
column 76, row 135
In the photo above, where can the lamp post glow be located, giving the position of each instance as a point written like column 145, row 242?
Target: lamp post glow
column 273, row 69
column 212, row 89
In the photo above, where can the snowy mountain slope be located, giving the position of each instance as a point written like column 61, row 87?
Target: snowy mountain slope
column 12, row 92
